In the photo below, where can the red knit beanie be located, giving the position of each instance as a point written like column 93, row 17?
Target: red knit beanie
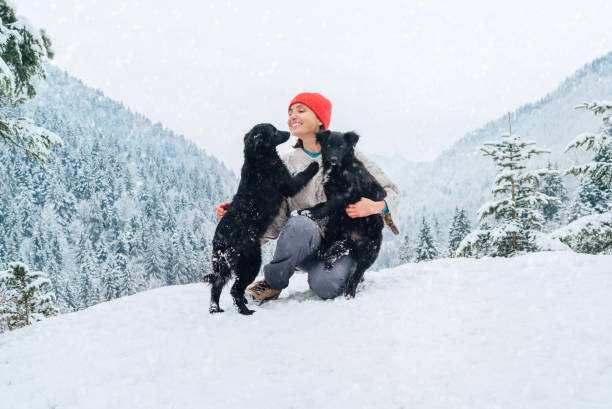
column 317, row 103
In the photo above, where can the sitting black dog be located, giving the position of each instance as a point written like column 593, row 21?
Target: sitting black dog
column 264, row 182
column 346, row 181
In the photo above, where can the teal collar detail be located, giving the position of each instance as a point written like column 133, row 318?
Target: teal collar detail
column 312, row 155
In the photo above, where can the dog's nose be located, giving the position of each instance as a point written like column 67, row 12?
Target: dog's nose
column 333, row 160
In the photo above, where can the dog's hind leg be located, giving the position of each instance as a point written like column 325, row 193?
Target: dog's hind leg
column 218, row 278
column 248, row 267
column 365, row 254
column 215, row 294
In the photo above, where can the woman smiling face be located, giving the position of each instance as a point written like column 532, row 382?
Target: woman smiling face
column 302, row 121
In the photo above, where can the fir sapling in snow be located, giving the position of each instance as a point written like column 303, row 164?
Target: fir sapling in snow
column 516, row 205
column 26, row 297
column 405, row 250
column 552, row 185
column 425, row 248
column 460, row 228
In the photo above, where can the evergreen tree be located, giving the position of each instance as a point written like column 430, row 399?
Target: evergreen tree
column 64, row 205
column 69, row 297
column 88, row 293
column 55, row 263
column 154, row 264
column 37, row 258
column 26, row 296
column 593, row 196
column 516, row 207
column 405, row 251
column 600, row 168
column 24, row 53
column 460, row 228
column 26, row 213
column 109, row 281
column 552, row 185
column 425, row 248
column 590, row 229
column 437, row 233
column 125, row 282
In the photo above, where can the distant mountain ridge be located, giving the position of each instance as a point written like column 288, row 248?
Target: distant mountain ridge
column 461, row 176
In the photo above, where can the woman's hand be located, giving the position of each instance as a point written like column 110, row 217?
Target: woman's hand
column 364, row 207
column 222, row 209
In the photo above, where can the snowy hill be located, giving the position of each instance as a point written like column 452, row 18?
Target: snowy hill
column 528, row 332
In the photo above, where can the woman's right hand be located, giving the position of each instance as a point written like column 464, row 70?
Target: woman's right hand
column 222, row 209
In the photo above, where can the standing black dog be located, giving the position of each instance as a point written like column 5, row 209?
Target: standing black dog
column 264, row 182
column 345, row 181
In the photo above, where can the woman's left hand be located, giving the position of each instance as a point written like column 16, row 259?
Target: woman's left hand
column 364, row 207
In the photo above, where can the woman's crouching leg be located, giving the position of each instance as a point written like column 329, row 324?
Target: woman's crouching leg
column 298, row 240
column 330, row 283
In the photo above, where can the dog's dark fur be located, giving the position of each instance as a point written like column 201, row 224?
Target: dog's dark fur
column 264, row 182
column 346, row 180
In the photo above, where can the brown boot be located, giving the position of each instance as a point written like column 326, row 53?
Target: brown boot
column 261, row 291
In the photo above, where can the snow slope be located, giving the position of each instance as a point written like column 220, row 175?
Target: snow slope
column 528, row 332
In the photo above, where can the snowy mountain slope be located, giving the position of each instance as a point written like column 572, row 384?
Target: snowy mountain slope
column 124, row 197
column 460, row 176
column 531, row 331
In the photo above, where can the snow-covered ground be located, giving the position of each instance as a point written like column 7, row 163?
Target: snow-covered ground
column 529, row 332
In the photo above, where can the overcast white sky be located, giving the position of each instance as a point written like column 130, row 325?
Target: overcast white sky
column 410, row 76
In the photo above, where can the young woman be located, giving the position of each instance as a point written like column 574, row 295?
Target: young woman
column 299, row 235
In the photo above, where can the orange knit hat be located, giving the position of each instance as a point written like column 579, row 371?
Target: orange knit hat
column 317, row 103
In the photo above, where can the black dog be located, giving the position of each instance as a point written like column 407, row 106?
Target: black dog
column 264, row 182
column 345, row 181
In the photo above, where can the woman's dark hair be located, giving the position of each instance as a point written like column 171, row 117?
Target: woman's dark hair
column 300, row 144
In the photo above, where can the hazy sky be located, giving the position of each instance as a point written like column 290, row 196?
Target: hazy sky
column 411, row 77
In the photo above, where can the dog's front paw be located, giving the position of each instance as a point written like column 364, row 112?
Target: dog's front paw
column 312, row 168
column 214, row 308
column 350, row 291
column 349, row 294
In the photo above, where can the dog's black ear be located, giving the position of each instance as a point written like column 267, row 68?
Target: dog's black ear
column 351, row 137
column 252, row 140
column 323, row 136
column 257, row 139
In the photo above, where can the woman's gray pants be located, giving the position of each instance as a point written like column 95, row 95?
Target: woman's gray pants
column 296, row 247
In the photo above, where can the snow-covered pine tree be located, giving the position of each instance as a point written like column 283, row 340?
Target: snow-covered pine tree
column 25, row 213
column 26, row 296
column 436, row 231
column 425, row 248
column 460, row 228
column 552, row 185
column 64, row 205
column 110, row 281
column 516, row 208
column 600, row 168
column 123, row 275
column 405, row 250
column 88, row 292
column 23, row 54
column 592, row 197
column 590, row 230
